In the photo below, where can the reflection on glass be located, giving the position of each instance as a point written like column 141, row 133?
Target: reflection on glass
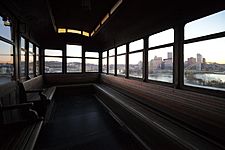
column 52, row 52
column 136, row 45
column 5, row 31
column 74, row 64
column 205, row 26
column 91, row 65
column 6, row 62
column 92, row 54
column 22, row 57
column 121, row 49
column 204, row 64
column 22, row 63
column 53, row 65
column 135, row 64
column 31, row 60
column 112, row 52
column 161, row 38
column 37, row 61
column 112, row 65
column 74, row 50
column 104, row 54
column 160, row 63
column 121, row 67
column 104, row 65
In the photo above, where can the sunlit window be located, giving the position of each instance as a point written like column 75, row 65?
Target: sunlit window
column 74, row 58
column 104, row 62
column 136, row 45
column 205, row 26
column 6, row 62
column 160, row 60
column 91, row 61
column 37, row 61
column 204, row 63
column 112, row 61
column 161, row 38
column 53, row 61
column 161, row 64
column 121, row 60
column 22, row 58
column 5, row 31
column 136, row 58
column 31, row 60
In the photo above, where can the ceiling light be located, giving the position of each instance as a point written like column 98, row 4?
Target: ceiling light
column 116, row 6
column 73, row 31
column 61, row 30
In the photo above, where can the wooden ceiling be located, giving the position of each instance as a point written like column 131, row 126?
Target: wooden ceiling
column 132, row 20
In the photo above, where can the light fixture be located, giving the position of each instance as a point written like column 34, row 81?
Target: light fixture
column 61, row 30
column 116, row 6
column 73, row 31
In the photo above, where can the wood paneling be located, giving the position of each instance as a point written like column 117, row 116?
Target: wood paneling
column 66, row 79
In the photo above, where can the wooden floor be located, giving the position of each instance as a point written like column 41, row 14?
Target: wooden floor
column 81, row 123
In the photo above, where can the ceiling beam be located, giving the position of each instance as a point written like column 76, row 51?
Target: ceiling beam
column 51, row 15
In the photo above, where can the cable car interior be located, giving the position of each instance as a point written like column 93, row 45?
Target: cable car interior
column 112, row 75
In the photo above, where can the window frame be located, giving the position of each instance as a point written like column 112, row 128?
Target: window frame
column 106, row 62
column 161, row 46
column 121, row 54
column 44, row 61
column 96, row 58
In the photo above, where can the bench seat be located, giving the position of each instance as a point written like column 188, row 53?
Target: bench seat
column 154, row 129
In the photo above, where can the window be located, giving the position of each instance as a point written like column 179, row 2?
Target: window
column 22, row 58
column 91, row 61
column 37, row 61
column 5, row 30
column 74, row 58
column 160, row 60
column 204, row 62
column 136, row 58
column 6, row 62
column 205, row 26
column 104, row 62
column 6, row 53
column 121, row 60
column 112, row 61
column 31, row 60
column 53, row 61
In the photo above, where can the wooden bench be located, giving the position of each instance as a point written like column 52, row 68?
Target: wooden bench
column 36, row 91
column 153, row 128
column 19, row 124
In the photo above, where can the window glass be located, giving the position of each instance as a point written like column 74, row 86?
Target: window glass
column 92, row 54
column 31, row 60
column 91, row 65
column 5, row 31
column 112, row 52
column 121, row 67
column 161, row 38
column 51, row 52
column 6, row 62
column 112, row 65
column 74, row 64
column 121, row 49
column 53, row 65
column 161, row 64
column 104, row 65
column 74, row 50
column 135, row 64
column 204, row 64
column 22, row 58
column 104, row 54
column 205, row 26
column 37, row 61
column 136, row 45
